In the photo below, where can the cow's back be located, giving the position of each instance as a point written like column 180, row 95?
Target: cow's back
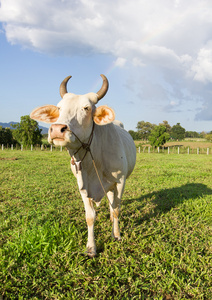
column 129, row 148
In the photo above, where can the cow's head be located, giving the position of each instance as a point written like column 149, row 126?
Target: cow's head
column 74, row 113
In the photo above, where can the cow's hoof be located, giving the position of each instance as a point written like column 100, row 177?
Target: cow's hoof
column 117, row 239
column 91, row 252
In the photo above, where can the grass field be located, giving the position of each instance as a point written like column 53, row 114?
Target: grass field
column 166, row 226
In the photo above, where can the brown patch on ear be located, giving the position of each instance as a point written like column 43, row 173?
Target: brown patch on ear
column 47, row 114
column 103, row 115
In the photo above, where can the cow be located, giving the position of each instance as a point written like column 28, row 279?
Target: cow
column 103, row 154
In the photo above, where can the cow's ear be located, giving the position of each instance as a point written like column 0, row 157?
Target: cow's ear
column 103, row 115
column 47, row 114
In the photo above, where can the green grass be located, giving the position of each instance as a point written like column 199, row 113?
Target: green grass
column 166, row 247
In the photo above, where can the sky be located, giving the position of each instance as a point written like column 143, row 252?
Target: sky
column 156, row 54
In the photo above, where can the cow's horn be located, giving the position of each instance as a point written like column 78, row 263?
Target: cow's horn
column 63, row 88
column 101, row 93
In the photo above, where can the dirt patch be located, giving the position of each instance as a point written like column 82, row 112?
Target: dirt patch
column 8, row 158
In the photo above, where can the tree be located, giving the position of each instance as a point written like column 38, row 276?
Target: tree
column 134, row 135
column 168, row 127
column 144, row 129
column 6, row 136
column 209, row 136
column 203, row 134
column 178, row 132
column 192, row 134
column 27, row 131
column 159, row 136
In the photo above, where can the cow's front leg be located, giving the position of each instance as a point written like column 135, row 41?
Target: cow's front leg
column 90, row 215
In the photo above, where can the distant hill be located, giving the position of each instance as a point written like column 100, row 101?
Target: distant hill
column 44, row 129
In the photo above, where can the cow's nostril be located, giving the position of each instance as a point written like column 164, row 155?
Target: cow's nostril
column 64, row 128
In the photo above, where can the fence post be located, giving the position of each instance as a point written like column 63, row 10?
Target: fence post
column 178, row 151
column 61, row 148
column 207, row 151
column 188, row 150
column 12, row 147
column 168, row 150
column 31, row 147
column 197, row 150
column 148, row 149
column 21, row 147
column 139, row 149
column 144, row 149
column 51, row 148
column 158, row 149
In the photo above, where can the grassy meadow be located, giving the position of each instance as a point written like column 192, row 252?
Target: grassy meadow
column 166, row 227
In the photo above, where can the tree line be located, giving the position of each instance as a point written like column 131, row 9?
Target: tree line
column 27, row 133
column 158, row 135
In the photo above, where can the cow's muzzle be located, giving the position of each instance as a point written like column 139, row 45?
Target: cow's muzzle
column 57, row 132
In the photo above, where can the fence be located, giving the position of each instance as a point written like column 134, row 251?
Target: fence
column 32, row 148
column 174, row 150
column 145, row 149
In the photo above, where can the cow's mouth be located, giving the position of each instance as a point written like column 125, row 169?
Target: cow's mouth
column 58, row 139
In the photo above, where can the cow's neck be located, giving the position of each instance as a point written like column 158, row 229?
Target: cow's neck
column 83, row 149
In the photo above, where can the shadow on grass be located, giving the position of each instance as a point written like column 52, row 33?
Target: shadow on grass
column 164, row 200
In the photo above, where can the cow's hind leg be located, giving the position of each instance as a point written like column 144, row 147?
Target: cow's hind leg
column 114, row 197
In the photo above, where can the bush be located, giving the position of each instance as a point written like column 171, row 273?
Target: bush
column 159, row 136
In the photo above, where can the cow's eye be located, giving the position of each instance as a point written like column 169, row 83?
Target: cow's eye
column 87, row 108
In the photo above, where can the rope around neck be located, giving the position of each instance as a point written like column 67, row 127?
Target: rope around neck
column 86, row 146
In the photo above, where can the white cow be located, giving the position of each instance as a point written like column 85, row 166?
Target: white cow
column 89, row 132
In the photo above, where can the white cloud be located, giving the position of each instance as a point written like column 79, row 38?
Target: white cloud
column 120, row 62
column 173, row 103
column 172, row 38
column 202, row 67
column 143, row 28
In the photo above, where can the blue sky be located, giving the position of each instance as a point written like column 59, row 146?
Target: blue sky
column 157, row 56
